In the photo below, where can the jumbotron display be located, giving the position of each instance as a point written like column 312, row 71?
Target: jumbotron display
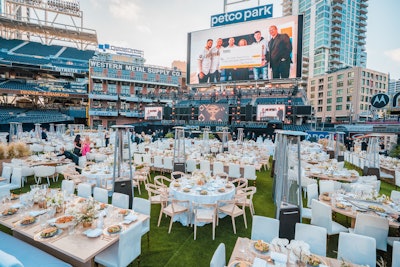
column 213, row 112
column 256, row 50
column 270, row 112
column 153, row 113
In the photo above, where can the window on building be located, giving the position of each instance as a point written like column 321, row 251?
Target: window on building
column 328, row 108
column 329, row 100
column 350, row 82
column 320, row 102
column 339, row 99
column 319, row 109
column 340, row 77
column 330, row 78
column 320, row 95
column 350, row 74
column 349, row 98
column 339, row 92
column 338, row 107
column 329, row 85
column 329, row 93
column 339, row 84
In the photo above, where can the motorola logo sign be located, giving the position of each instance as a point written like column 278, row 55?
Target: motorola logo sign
column 379, row 100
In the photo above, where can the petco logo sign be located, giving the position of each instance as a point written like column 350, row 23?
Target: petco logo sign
column 255, row 13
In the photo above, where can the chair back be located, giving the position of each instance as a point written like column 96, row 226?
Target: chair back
column 326, row 186
column 205, row 166
column 137, row 158
column 373, row 226
column 312, row 193
column 395, row 195
column 397, row 178
column 218, row 167
column 250, row 172
column 313, row 235
column 396, row 253
column 6, row 173
column 358, row 249
column 100, row 194
column 143, row 206
column 68, row 186
column 264, row 228
column 190, row 165
column 219, row 257
column 16, row 177
column 120, row 200
column 321, row 215
column 129, row 246
column 234, row 170
column 84, row 190
column 168, row 164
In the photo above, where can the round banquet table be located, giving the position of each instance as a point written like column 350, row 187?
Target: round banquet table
column 194, row 194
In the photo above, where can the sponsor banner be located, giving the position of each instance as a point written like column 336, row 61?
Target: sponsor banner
column 213, row 112
column 316, row 135
column 241, row 57
column 53, row 94
column 379, row 100
column 270, row 112
column 260, row 12
column 131, row 67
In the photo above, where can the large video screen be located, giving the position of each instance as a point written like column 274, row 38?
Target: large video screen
column 256, row 50
column 213, row 112
column 153, row 113
column 270, row 112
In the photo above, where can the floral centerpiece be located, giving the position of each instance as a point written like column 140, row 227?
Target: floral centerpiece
column 86, row 212
column 201, row 178
column 55, row 200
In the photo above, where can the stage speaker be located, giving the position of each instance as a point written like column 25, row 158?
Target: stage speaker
column 249, row 111
column 167, row 113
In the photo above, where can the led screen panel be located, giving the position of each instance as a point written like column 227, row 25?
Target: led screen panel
column 213, row 112
column 270, row 112
column 153, row 113
column 231, row 53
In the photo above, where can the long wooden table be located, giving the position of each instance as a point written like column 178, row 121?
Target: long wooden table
column 248, row 255
column 76, row 249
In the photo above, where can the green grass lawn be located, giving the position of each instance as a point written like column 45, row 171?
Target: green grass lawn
column 179, row 249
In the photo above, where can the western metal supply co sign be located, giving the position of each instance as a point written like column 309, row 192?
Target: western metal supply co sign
column 260, row 12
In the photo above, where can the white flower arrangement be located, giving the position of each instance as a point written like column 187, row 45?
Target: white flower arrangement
column 86, row 212
column 55, row 200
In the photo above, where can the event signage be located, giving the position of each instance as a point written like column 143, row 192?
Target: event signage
column 120, row 50
column 131, row 67
column 241, row 57
column 260, row 12
column 316, row 135
column 379, row 100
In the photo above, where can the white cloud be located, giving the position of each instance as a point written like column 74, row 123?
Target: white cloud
column 124, row 9
column 144, row 29
column 393, row 54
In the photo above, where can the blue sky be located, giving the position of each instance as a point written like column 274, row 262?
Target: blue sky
column 160, row 27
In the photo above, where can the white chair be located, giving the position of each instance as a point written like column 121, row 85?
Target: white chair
column 44, row 172
column 250, row 172
column 6, row 174
column 147, row 159
column 84, row 190
column 204, row 213
column 395, row 195
column 234, row 170
column 397, row 178
column 312, row 193
column 373, row 226
column 264, row 228
column 100, row 194
column 219, row 257
column 68, row 186
column 137, row 159
column 100, row 157
column 357, row 249
column 158, row 163
column 190, row 165
column 16, row 178
column 396, row 254
column 205, row 166
column 168, row 164
column 218, row 167
column 120, row 200
column 321, row 215
column 326, row 186
column 143, row 206
column 313, row 235
column 123, row 252
column 4, row 192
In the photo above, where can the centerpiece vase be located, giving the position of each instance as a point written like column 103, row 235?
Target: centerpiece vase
column 87, row 224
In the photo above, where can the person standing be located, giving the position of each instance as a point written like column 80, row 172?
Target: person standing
column 204, row 63
column 230, row 74
column 77, row 145
column 280, row 48
column 279, row 114
column 242, row 73
column 262, row 70
column 107, row 137
column 215, row 71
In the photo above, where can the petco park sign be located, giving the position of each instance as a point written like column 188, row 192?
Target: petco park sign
column 243, row 15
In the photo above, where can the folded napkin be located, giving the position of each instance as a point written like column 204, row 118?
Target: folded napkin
column 35, row 213
column 259, row 262
column 93, row 232
column 130, row 218
column 278, row 257
column 8, row 260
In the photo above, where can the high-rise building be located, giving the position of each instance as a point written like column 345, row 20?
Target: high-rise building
column 345, row 95
column 334, row 33
column 394, row 86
